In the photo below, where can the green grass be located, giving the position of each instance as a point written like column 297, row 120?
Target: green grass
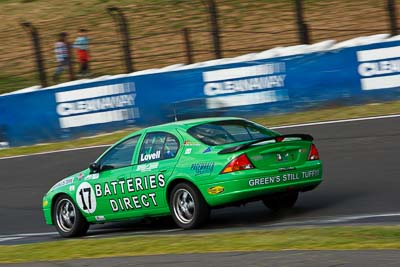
column 336, row 113
column 9, row 83
column 325, row 238
column 82, row 142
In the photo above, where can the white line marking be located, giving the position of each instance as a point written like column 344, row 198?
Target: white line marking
column 29, row 234
column 340, row 219
column 55, row 151
column 378, row 54
column 276, row 127
column 335, row 121
column 97, row 118
column 240, row 72
column 381, row 82
column 92, row 92
column 247, row 99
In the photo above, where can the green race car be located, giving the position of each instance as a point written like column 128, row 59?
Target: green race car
column 185, row 169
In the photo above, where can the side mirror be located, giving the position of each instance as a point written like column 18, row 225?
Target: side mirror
column 94, row 167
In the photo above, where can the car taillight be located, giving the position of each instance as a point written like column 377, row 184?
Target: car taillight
column 238, row 164
column 313, row 153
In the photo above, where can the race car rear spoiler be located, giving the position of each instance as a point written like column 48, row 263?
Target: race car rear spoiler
column 278, row 138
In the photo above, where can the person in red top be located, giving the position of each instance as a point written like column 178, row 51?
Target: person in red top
column 81, row 45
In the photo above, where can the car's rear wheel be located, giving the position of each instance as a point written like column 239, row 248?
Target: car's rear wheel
column 281, row 201
column 188, row 207
column 68, row 219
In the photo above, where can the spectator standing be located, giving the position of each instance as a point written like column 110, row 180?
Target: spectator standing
column 81, row 45
column 61, row 52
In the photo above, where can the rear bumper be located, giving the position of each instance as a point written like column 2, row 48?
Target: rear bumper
column 253, row 184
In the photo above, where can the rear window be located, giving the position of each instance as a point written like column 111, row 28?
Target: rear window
column 227, row 132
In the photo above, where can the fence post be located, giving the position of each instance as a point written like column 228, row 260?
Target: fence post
column 213, row 11
column 302, row 27
column 70, row 61
column 119, row 18
column 391, row 8
column 30, row 29
column 188, row 45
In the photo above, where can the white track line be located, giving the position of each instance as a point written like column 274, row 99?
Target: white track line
column 29, row 234
column 340, row 219
column 55, row 151
column 276, row 127
column 336, row 121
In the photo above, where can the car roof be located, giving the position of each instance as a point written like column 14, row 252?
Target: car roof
column 184, row 124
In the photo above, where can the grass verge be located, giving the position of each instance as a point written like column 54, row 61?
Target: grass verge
column 335, row 113
column 325, row 238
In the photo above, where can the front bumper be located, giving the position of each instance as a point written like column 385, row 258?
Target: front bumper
column 47, row 210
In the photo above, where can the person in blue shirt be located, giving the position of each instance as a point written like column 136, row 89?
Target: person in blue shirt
column 61, row 53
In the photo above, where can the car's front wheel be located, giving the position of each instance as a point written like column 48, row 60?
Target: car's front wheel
column 281, row 201
column 188, row 207
column 68, row 219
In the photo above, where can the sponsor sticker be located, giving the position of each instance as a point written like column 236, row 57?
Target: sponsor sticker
column 190, row 143
column 147, row 167
column 100, row 218
column 215, row 190
column 288, row 177
column 133, row 193
column 202, row 168
column 86, row 198
column 63, row 182
column 207, row 150
column 93, row 176
column 188, row 151
column 152, row 156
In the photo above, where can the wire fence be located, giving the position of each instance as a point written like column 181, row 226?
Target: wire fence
column 154, row 34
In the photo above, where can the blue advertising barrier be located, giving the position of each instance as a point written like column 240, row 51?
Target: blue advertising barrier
column 283, row 84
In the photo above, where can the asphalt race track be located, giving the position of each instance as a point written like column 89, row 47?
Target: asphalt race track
column 361, row 185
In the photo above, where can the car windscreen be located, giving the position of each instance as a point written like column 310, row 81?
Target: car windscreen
column 227, row 132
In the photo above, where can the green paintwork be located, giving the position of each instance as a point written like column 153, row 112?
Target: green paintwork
column 141, row 189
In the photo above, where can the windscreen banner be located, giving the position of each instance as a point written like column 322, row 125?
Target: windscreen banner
column 348, row 76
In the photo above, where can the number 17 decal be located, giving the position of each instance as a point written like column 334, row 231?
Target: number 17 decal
column 85, row 198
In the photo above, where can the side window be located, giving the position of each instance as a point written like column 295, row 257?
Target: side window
column 158, row 146
column 171, row 147
column 120, row 155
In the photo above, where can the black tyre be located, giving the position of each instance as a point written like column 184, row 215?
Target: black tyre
column 188, row 207
column 281, row 201
column 68, row 219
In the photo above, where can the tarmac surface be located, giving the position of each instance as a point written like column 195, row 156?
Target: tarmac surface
column 361, row 185
column 372, row 258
